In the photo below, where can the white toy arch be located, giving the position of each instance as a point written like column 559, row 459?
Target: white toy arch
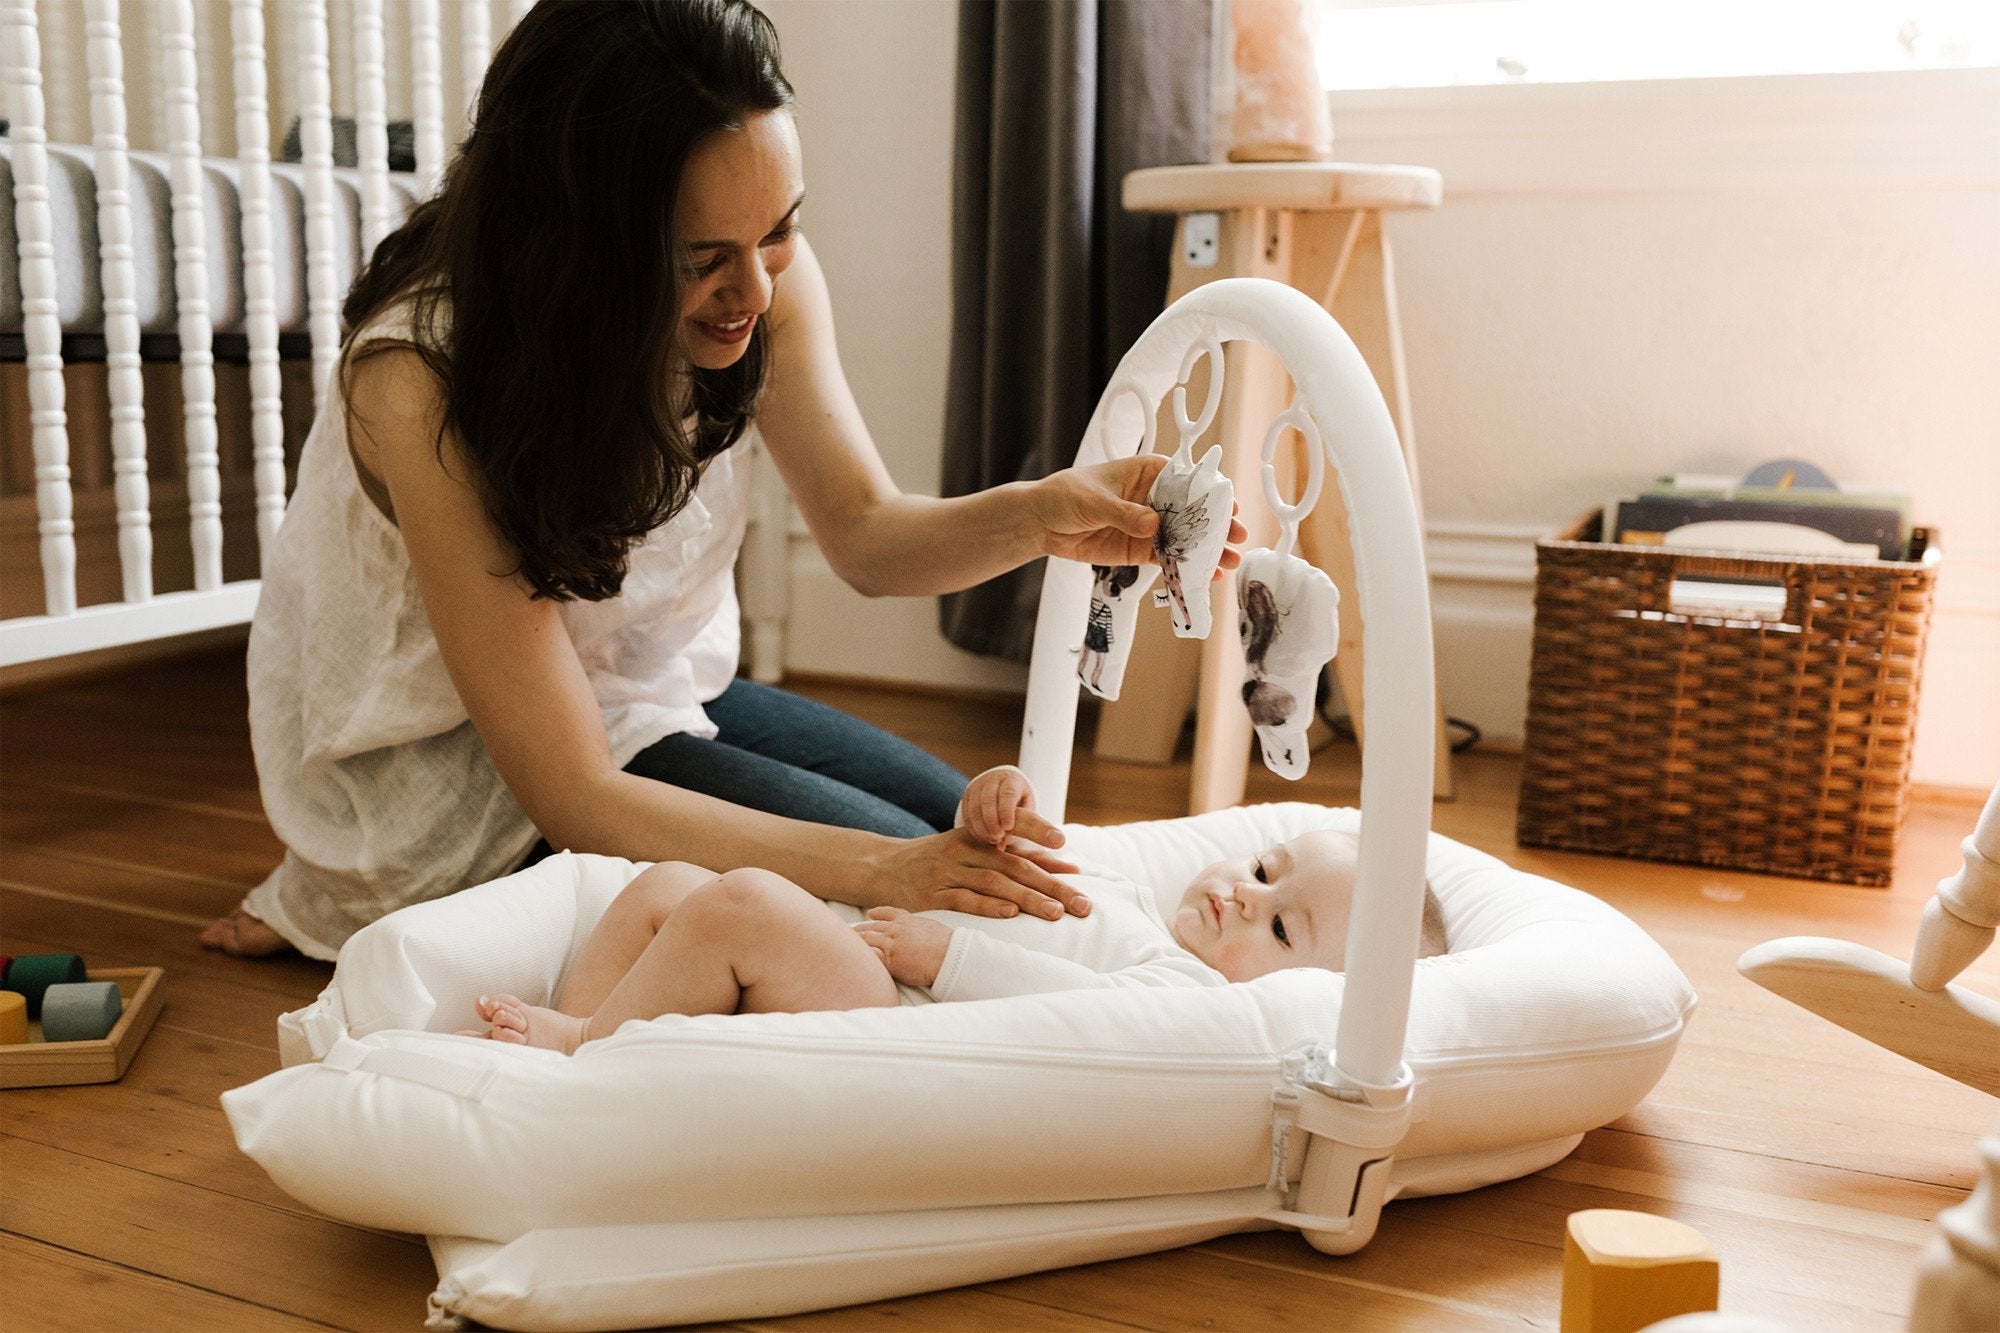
column 729, row 1167
column 1368, row 1097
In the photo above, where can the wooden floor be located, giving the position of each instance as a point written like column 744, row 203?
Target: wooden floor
column 129, row 816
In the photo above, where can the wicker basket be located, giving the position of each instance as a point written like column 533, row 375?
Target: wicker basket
column 1683, row 733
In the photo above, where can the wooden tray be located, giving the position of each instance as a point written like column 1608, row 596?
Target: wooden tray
column 36, row 1063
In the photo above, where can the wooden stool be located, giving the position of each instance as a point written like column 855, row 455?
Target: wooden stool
column 1316, row 226
column 1623, row 1271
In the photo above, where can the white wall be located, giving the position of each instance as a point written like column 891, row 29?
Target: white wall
column 874, row 80
column 1663, row 277
column 1623, row 280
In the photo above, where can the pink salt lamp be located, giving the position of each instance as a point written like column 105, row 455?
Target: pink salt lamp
column 1281, row 113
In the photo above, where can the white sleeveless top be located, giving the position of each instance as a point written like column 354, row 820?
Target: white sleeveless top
column 370, row 770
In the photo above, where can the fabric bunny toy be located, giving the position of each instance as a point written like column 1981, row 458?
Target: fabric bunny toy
column 1290, row 611
column 1290, row 628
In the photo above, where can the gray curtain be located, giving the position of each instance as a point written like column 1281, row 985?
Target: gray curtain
column 1051, row 279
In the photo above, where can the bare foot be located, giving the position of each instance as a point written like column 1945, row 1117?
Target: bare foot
column 530, row 1025
column 243, row 935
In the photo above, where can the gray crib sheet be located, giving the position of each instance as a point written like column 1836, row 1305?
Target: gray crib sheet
column 79, row 281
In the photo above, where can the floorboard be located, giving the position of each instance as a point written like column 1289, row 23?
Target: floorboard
column 129, row 816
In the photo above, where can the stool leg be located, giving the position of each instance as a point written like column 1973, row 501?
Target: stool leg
column 1365, row 304
column 1256, row 391
column 1143, row 725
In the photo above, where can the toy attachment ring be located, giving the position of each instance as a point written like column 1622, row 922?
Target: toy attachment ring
column 1295, row 418
column 1211, row 347
column 1148, row 418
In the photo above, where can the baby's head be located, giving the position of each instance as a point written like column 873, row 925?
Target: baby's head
column 1285, row 907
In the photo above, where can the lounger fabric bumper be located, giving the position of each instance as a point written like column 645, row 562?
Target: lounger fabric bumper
column 731, row 1167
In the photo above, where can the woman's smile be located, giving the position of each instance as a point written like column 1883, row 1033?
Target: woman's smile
column 727, row 332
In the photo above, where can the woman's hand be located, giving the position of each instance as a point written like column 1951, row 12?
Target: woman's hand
column 1099, row 515
column 956, row 872
column 911, row 947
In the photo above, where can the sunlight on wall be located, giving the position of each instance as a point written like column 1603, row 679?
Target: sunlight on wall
column 1373, row 44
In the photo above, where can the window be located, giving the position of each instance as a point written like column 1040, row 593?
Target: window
column 1365, row 44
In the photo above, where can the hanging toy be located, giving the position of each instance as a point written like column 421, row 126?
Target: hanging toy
column 1115, row 595
column 1289, row 614
column 1195, row 503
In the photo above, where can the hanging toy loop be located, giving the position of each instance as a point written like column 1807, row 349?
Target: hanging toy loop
column 1148, row 423
column 1211, row 347
column 1295, row 418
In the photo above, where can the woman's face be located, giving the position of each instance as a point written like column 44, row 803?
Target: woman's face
column 737, row 219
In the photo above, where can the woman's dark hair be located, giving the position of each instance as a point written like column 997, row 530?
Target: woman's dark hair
column 546, row 278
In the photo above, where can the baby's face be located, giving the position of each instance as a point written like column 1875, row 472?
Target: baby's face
column 1286, row 907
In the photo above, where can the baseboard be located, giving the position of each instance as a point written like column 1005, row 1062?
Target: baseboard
column 1482, row 604
column 833, row 631
column 1936, row 793
column 29, row 677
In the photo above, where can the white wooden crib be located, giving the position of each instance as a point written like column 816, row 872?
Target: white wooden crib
column 134, row 258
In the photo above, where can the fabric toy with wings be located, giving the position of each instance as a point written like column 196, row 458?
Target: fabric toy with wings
column 1194, row 504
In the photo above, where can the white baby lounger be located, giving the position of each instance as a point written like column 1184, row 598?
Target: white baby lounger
column 691, row 1169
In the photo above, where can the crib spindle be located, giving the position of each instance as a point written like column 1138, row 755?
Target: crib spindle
column 475, row 50
column 39, row 324
column 260, row 302
column 371, row 126
column 316, row 155
column 197, row 331
column 131, row 489
column 427, row 93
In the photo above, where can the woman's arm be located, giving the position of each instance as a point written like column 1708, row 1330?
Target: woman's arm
column 882, row 541
column 510, row 658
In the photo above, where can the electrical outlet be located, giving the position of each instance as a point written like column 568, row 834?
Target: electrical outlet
column 1201, row 239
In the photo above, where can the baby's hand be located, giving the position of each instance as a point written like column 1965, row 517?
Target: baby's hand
column 911, row 947
column 999, row 804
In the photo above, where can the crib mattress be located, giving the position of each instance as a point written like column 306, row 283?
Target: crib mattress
column 732, row 1167
column 79, row 277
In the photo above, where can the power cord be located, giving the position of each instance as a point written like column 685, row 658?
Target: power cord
column 1342, row 726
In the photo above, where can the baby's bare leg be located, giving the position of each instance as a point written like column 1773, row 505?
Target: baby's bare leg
column 747, row 942
column 623, row 932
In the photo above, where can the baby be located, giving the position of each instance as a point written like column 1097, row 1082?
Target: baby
column 682, row 940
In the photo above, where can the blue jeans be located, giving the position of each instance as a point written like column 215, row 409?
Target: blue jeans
column 789, row 756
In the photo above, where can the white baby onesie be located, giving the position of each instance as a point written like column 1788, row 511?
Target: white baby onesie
column 1123, row 942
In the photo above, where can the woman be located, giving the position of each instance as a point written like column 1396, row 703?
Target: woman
column 501, row 601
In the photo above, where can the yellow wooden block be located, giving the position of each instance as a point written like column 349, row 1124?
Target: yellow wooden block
column 13, row 1017
column 1623, row 1271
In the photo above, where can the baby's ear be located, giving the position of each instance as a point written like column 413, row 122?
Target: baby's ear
column 1431, row 942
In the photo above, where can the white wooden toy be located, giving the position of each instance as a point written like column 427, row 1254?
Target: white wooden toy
column 1914, row 1010
column 1919, row 1012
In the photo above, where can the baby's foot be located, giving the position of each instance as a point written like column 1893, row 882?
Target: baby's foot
column 524, row 1024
